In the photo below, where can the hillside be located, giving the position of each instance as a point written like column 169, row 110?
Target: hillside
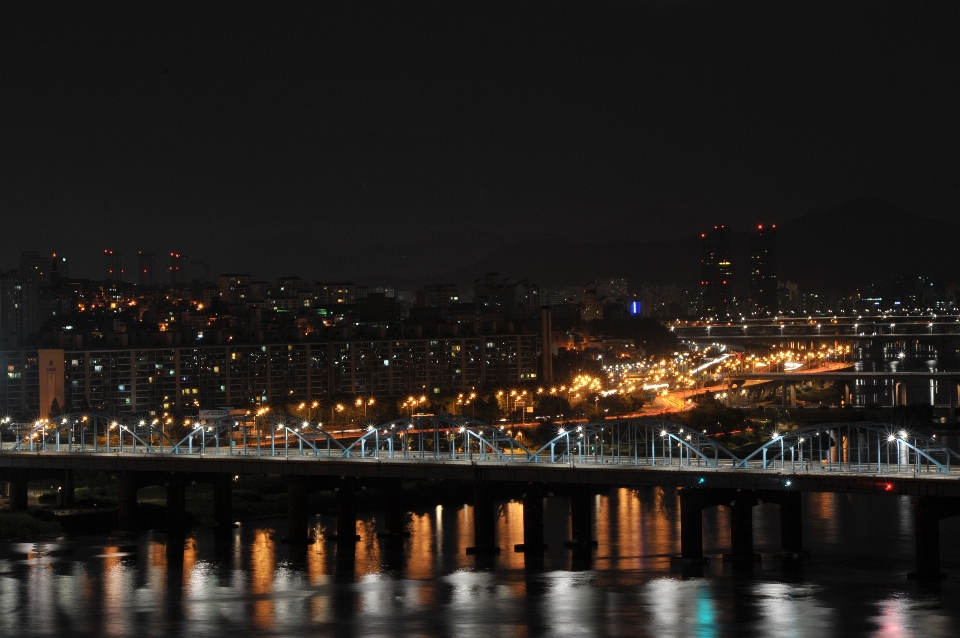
column 858, row 241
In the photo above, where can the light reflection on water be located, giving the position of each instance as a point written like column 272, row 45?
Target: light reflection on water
column 252, row 584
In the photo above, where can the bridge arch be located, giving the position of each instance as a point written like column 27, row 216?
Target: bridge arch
column 64, row 430
column 442, row 436
column 866, row 445
column 641, row 441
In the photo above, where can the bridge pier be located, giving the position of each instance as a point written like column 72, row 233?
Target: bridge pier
column 484, row 519
column 691, row 528
column 223, row 504
column 927, row 539
column 899, row 393
column 532, row 521
column 954, row 393
column 176, row 504
column 347, row 511
column 846, row 398
column 19, row 479
column 741, row 531
column 127, row 501
column 65, row 498
column 928, row 510
column 297, row 519
column 393, row 509
column 791, row 525
column 581, row 519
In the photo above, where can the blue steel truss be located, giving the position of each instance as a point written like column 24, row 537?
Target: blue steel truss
column 634, row 442
column 860, row 446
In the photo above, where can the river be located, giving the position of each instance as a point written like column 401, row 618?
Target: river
column 853, row 584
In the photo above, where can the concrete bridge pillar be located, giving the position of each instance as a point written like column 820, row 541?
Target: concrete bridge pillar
column 899, row 393
column 484, row 519
column 581, row 518
column 839, row 447
column 691, row 527
column 741, row 530
column 127, row 501
column 223, row 504
column 844, row 393
column 954, row 392
column 928, row 510
column 791, row 524
column 65, row 498
column 19, row 479
column 927, row 538
column 347, row 511
column 176, row 504
column 297, row 519
column 532, row 521
column 393, row 509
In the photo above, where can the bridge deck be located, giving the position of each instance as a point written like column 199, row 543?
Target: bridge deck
column 610, row 473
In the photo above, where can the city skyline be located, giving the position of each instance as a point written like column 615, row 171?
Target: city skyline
column 526, row 317
column 920, row 249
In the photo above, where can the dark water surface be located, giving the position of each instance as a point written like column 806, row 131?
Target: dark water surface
column 854, row 584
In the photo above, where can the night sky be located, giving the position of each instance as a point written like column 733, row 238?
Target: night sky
column 395, row 142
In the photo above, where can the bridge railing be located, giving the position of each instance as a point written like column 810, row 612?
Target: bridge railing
column 863, row 447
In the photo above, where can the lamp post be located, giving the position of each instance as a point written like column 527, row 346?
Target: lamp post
column 339, row 408
column 365, row 403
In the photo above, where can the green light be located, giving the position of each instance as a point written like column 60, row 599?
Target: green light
column 702, row 481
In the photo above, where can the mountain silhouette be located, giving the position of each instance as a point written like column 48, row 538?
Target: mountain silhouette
column 841, row 249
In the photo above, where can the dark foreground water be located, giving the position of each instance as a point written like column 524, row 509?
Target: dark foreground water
column 854, row 584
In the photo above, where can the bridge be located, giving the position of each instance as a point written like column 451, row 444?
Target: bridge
column 861, row 458
column 844, row 378
column 925, row 328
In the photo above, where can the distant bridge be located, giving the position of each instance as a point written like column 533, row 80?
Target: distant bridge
column 844, row 377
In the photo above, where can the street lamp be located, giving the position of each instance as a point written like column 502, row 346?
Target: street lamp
column 339, row 408
column 366, row 403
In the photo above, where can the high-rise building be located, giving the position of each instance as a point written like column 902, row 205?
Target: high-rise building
column 178, row 269
column 41, row 270
column 113, row 262
column 438, row 295
column 234, row 288
column 616, row 287
column 166, row 378
column 716, row 281
column 11, row 304
column 763, row 269
column 35, row 267
column 58, row 269
column 147, row 269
